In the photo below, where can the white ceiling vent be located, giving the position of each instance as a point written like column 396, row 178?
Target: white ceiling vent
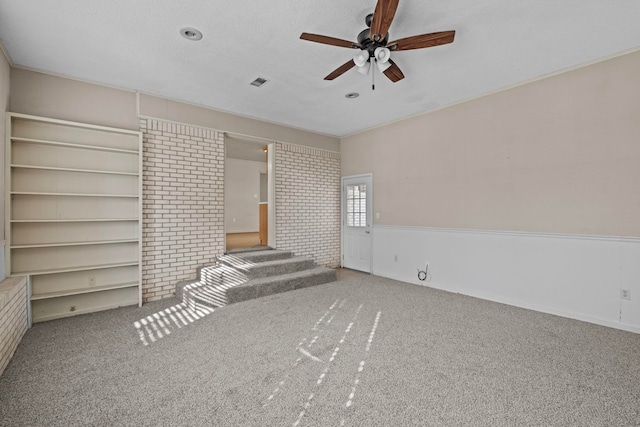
column 258, row 82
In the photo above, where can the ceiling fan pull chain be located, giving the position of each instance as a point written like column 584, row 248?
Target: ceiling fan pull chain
column 373, row 77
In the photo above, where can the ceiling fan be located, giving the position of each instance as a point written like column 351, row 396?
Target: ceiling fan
column 374, row 46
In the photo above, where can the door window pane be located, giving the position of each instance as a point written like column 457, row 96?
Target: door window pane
column 357, row 205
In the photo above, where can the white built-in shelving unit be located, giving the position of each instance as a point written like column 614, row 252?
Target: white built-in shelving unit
column 73, row 214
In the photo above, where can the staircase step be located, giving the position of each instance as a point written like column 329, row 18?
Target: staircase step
column 280, row 266
column 244, row 258
column 245, row 250
column 204, row 267
column 261, row 287
column 272, row 268
column 200, row 293
column 181, row 286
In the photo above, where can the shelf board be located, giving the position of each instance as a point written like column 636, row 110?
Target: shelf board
column 32, row 118
column 27, row 221
column 72, row 269
column 48, row 295
column 71, row 145
column 88, row 243
column 51, row 168
column 37, row 193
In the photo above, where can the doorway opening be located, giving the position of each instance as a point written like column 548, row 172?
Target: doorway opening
column 246, row 188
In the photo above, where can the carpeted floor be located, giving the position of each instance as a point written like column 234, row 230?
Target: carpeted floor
column 364, row 351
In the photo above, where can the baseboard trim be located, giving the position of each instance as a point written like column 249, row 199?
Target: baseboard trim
column 519, row 304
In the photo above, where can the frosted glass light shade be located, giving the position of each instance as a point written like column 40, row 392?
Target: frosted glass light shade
column 361, row 58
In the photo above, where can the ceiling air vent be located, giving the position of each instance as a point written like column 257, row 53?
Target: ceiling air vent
column 258, row 82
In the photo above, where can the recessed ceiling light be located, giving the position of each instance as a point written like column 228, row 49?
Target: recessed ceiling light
column 191, row 34
column 352, row 95
column 258, row 82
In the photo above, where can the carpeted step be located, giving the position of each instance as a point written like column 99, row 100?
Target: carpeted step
column 202, row 268
column 273, row 268
column 261, row 287
column 279, row 267
column 210, row 289
column 253, row 257
column 245, row 250
column 180, row 288
column 201, row 294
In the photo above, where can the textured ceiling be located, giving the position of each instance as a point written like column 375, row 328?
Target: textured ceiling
column 136, row 45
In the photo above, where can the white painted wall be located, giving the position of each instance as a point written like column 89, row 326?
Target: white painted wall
column 242, row 195
column 578, row 277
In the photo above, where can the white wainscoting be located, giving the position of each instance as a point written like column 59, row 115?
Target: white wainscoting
column 579, row 277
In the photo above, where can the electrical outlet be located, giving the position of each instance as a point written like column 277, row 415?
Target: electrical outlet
column 625, row 294
column 395, row 258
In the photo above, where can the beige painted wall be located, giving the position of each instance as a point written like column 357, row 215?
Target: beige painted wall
column 187, row 113
column 67, row 99
column 5, row 74
column 46, row 95
column 559, row 155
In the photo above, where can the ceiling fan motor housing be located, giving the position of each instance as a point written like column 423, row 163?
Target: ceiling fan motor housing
column 370, row 45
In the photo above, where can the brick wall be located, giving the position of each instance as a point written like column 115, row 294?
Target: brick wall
column 183, row 203
column 13, row 317
column 308, row 202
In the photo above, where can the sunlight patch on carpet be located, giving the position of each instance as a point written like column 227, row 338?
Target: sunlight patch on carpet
column 161, row 324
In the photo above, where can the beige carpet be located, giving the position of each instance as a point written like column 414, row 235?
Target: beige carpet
column 364, row 351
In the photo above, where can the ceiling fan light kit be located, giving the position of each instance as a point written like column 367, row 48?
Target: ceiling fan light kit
column 364, row 68
column 373, row 43
column 361, row 58
column 382, row 56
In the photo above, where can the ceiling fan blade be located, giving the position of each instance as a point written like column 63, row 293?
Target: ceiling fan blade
column 382, row 18
column 341, row 70
column 393, row 73
column 422, row 41
column 329, row 40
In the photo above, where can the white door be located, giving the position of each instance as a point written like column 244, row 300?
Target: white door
column 357, row 204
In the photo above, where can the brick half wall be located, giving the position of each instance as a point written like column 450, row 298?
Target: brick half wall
column 14, row 319
column 308, row 202
column 183, row 203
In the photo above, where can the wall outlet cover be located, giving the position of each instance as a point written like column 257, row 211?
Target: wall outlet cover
column 625, row 294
